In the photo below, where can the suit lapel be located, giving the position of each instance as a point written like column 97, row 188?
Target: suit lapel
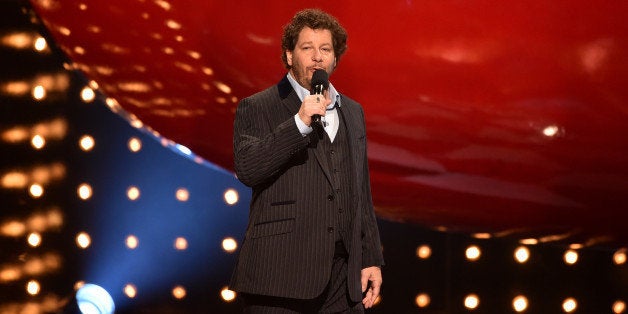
column 320, row 155
column 289, row 98
column 346, row 113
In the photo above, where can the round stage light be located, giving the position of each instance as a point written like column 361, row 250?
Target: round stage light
column 93, row 299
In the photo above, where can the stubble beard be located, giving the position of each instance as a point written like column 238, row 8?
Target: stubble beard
column 302, row 78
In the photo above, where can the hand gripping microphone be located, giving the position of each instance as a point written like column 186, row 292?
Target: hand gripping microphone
column 320, row 83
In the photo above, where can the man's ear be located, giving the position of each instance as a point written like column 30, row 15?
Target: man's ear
column 289, row 57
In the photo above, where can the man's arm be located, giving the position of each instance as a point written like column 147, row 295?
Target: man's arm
column 371, row 245
column 259, row 151
column 371, row 284
column 372, row 257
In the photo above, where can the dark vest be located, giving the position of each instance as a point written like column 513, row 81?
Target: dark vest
column 339, row 161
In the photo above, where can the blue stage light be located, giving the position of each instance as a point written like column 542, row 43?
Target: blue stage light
column 93, row 299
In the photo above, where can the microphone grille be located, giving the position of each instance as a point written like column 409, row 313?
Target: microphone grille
column 320, row 77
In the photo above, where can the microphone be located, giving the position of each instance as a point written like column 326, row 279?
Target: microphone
column 320, row 83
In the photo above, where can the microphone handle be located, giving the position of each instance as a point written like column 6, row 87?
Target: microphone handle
column 317, row 90
column 317, row 125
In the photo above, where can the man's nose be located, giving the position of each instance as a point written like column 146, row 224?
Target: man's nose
column 317, row 56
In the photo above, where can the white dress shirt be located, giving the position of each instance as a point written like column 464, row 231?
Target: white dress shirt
column 330, row 120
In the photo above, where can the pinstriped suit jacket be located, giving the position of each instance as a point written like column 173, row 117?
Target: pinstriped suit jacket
column 288, row 249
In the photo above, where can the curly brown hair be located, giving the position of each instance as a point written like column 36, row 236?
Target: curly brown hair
column 314, row 19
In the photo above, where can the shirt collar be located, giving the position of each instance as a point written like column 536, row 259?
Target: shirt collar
column 302, row 92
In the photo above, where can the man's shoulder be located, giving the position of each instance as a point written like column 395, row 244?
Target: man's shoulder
column 267, row 93
column 348, row 100
column 350, row 103
column 279, row 90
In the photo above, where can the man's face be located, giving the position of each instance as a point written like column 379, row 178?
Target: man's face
column 314, row 50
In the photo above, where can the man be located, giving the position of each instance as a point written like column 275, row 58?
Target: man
column 312, row 244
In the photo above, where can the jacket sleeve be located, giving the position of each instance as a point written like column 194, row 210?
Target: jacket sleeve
column 371, row 244
column 262, row 149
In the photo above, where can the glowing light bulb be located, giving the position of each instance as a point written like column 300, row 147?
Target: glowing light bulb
column 10, row 274
column 183, row 149
column 178, row 292
column 133, row 193
column 227, row 295
column 520, row 303
column 422, row 300
column 91, row 298
column 570, row 305
column 36, row 190
column 84, row 191
column 229, row 245
column 482, row 235
column 34, row 239
column 182, row 194
column 522, row 254
column 180, row 243
column 87, row 94
column 570, row 257
column 231, row 196
column 130, row 290
column 87, row 143
column 471, row 301
column 473, row 253
column 40, row 44
column 424, row 251
column 39, row 92
column 550, row 130
column 135, row 144
column 529, row 241
column 619, row 307
column 132, row 242
column 83, row 240
column 619, row 258
column 33, row 287
column 79, row 284
column 38, row 141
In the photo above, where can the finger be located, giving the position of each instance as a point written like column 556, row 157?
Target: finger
column 376, row 290
column 367, row 297
column 371, row 299
column 376, row 282
column 327, row 97
column 365, row 281
column 326, row 94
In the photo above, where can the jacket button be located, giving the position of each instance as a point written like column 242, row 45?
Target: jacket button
column 330, row 197
column 330, row 229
